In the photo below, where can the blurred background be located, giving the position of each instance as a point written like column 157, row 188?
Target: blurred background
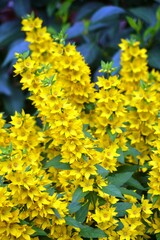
column 96, row 27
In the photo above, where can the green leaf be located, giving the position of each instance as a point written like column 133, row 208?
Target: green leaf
column 56, row 213
column 95, row 26
column 107, row 67
column 130, row 192
column 74, row 207
column 158, row 236
column 132, row 22
column 88, row 108
column 102, row 171
column 2, row 180
column 20, row 8
column 132, row 151
column 55, row 162
column 82, row 213
column 72, row 222
column 121, row 208
column 143, row 84
column 158, row 14
column 90, row 51
column 127, row 168
column 39, row 232
column 9, row 32
column 118, row 179
column 136, row 25
column 121, row 158
column 51, row 191
column 14, row 102
column 4, row 83
column 111, row 135
column 106, row 12
column 86, row 231
column 51, row 7
column 75, row 30
column 23, row 222
column 154, row 57
column 86, row 133
column 99, row 149
column 135, row 183
column 149, row 33
column 87, row 9
column 64, row 10
column 147, row 14
column 112, row 190
column 78, row 194
column 89, row 232
column 17, row 46
column 119, row 227
column 155, row 198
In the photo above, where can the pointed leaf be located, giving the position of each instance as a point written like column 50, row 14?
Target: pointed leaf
column 154, row 57
column 87, row 9
column 106, row 12
column 89, row 232
column 82, row 213
column 17, row 46
column 20, row 8
column 78, row 194
column 132, row 151
column 56, row 213
column 102, row 171
column 97, row 26
column 120, row 158
column 132, row 22
column 155, row 199
column 147, row 14
column 4, row 85
column 9, row 32
column 135, row 183
column 74, row 207
column 72, row 222
column 158, row 236
column 39, row 232
column 130, row 192
column 121, row 208
column 56, row 162
column 119, row 179
column 112, row 190
column 85, row 128
column 116, row 61
column 14, row 102
column 75, row 30
column 90, row 51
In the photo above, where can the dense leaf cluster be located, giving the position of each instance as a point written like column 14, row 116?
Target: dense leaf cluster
column 95, row 26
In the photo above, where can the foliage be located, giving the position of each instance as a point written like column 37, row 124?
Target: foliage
column 95, row 26
column 86, row 166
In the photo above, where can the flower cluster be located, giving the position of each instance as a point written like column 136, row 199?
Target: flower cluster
column 87, row 164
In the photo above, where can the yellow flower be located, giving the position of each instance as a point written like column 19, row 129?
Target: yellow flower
column 100, row 181
column 29, row 24
column 87, row 184
column 146, row 208
column 129, row 198
column 134, row 212
column 156, row 224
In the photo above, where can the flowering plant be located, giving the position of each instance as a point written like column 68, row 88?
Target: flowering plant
column 86, row 166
